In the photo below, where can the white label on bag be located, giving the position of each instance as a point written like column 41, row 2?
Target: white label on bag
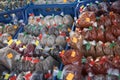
column 85, row 42
column 115, row 72
column 85, row 29
column 5, row 41
column 55, row 72
column 95, row 24
column 90, row 74
column 110, row 71
column 21, row 49
column 41, row 15
column 93, row 42
column 17, row 57
column 40, row 23
column 96, row 1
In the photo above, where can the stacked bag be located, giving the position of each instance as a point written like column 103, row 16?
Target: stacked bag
column 36, row 50
column 96, row 39
column 7, row 5
column 97, row 33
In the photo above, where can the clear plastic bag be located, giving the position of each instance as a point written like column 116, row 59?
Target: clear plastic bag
column 76, row 41
column 58, row 20
column 55, row 52
column 47, row 20
column 29, row 51
column 8, row 57
column 40, row 2
column 60, row 40
column 1, row 29
column 99, row 49
column 71, row 56
column 85, row 19
column 117, row 49
column 36, row 31
column 53, row 31
column 20, row 36
column 116, row 6
column 44, row 39
column 107, row 50
column 104, row 6
column 37, row 76
column 47, row 64
column 68, row 20
column 25, row 39
column 20, row 66
column 99, row 77
column 51, row 40
column 4, row 37
column 21, row 76
column 71, row 72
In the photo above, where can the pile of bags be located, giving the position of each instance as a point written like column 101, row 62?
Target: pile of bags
column 8, row 30
column 103, row 68
column 16, row 65
column 95, row 44
column 98, row 30
column 38, row 51
column 35, row 53
column 51, row 24
column 7, row 5
column 78, row 67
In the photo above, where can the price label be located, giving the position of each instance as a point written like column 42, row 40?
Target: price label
column 18, row 42
column 87, row 19
column 15, row 27
column 64, row 1
column 10, row 42
column 74, row 39
column 36, row 42
column 24, row 47
column 7, row 76
column 73, row 54
column 70, row 76
column 10, row 37
column 69, row 29
column 10, row 56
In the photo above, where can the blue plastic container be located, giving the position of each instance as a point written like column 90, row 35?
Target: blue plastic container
column 45, row 10
column 6, row 17
column 50, row 9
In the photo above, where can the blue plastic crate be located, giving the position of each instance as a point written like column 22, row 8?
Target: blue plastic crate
column 47, row 10
column 6, row 17
column 50, row 9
